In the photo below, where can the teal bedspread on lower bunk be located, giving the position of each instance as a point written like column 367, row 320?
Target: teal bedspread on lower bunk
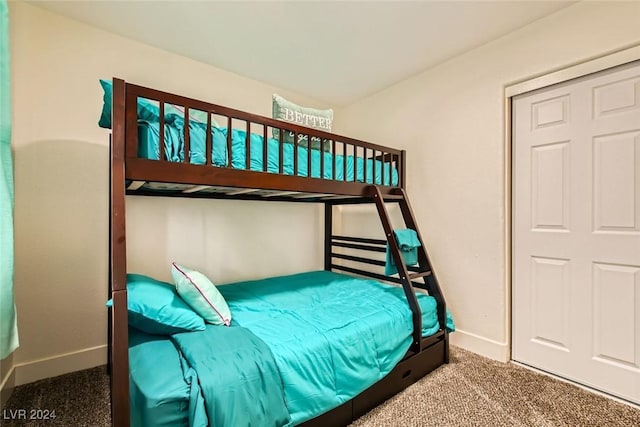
column 330, row 335
column 149, row 136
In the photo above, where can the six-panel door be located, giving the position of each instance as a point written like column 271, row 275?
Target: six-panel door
column 576, row 230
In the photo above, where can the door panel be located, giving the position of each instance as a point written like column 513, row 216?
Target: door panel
column 576, row 230
column 616, row 182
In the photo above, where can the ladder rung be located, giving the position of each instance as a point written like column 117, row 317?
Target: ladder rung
column 419, row 275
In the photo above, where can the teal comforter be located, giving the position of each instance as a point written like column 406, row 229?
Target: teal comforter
column 148, row 142
column 332, row 335
column 306, row 342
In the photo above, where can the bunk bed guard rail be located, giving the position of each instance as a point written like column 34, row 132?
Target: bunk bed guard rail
column 330, row 172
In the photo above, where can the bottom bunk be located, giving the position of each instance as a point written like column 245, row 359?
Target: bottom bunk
column 315, row 348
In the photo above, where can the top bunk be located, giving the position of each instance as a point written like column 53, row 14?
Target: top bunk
column 170, row 145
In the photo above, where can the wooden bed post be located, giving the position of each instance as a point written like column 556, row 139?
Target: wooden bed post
column 118, row 339
column 328, row 232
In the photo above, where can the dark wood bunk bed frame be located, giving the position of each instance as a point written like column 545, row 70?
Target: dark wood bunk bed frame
column 130, row 174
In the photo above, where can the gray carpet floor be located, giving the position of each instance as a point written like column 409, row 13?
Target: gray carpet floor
column 470, row 391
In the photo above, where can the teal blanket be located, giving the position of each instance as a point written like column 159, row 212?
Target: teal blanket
column 236, row 374
column 149, row 136
column 328, row 335
column 332, row 335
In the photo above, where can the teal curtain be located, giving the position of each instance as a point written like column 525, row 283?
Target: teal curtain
column 8, row 324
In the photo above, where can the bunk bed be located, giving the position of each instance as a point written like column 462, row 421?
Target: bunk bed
column 225, row 153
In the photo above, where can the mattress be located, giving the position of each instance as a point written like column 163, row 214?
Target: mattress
column 312, row 322
column 149, row 136
column 156, row 400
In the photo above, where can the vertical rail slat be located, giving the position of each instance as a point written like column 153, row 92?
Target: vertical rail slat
column 161, row 130
column 355, row 163
column 309, row 153
column 373, row 162
column 393, row 164
column 382, row 157
column 187, row 140
column 247, row 144
column 281, row 151
column 131, row 124
column 345, row 158
column 229, row 144
column 209, row 143
column 333, row 159
column 321, row 159
column 265, row 149
column 295, row 153
column 364, row 160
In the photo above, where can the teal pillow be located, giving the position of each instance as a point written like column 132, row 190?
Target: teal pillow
column 201, row 295
column 105, row 116
column 290, row 112
column 156, row 308
column 198, row 141
column 174, row 115
column 147, row 110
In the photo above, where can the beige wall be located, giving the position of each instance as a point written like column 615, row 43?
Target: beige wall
column 61, row 179
column 451, row 120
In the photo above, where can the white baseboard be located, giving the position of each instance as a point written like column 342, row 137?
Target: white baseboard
column 483, row 346
column 61, row 364
column 7, row 385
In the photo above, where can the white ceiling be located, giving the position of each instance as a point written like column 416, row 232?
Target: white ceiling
column 335, row 51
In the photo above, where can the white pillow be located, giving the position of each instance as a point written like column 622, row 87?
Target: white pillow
column 201, row 295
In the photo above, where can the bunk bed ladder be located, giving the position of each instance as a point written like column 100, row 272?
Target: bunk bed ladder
column 409, row 277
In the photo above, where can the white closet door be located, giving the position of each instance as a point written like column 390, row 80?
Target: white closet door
column 576, row 230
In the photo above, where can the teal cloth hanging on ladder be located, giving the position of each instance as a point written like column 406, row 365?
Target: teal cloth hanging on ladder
column 8, row 324
column 408, row 244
